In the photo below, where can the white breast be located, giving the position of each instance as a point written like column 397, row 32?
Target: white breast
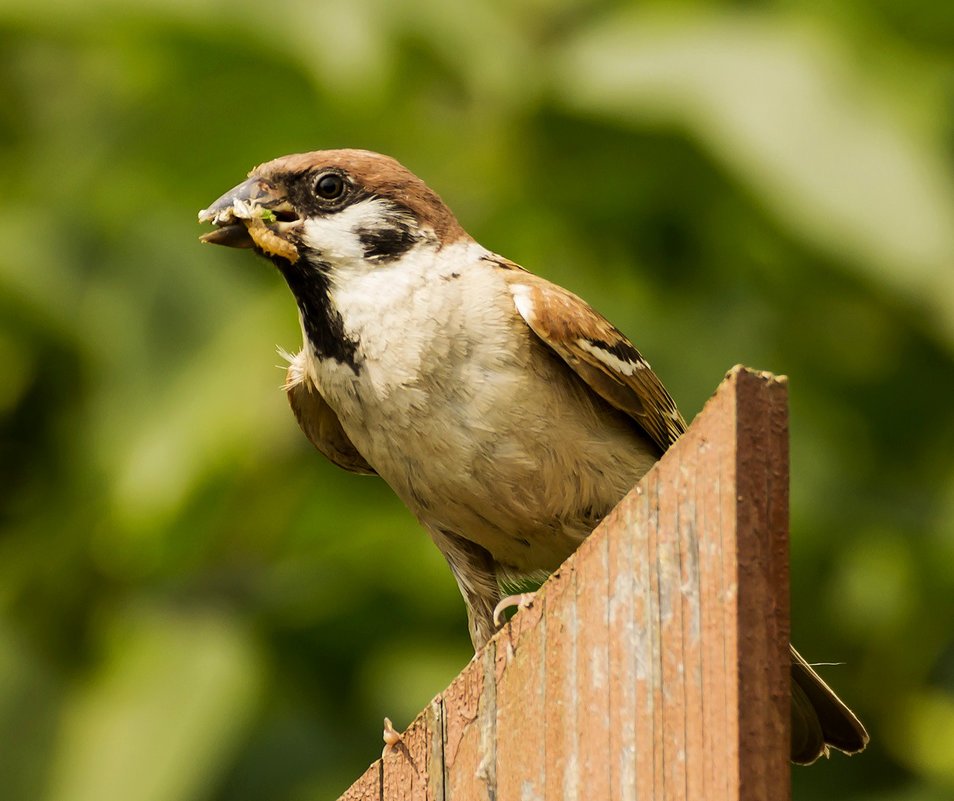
column 470, row 419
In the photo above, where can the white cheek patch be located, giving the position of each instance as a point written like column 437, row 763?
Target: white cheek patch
column 611, row 360
column 337, row 237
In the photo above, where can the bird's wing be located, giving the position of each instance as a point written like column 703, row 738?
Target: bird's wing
column 598, row 353
column 319, row 422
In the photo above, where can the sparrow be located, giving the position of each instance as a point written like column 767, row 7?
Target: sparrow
column 507, row 414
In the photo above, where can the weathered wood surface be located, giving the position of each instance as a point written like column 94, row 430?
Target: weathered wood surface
column 654, row 664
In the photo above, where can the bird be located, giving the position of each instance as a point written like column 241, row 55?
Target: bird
column 506, row 413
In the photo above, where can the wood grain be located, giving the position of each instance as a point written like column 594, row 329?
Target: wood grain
column 366, row 788
column 654, row 664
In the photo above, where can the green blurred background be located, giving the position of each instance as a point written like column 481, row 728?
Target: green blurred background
column 195, row 605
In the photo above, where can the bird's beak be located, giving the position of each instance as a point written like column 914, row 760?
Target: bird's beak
column 254, row 213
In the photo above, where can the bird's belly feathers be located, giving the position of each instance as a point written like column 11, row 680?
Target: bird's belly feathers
column 496, row 442
column 527, row 487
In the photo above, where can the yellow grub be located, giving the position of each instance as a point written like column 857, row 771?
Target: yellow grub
column 269, row 241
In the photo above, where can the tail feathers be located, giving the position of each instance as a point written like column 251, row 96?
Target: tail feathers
column 819, row 718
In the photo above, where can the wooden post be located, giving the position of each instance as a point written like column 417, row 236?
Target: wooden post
column 654, row 664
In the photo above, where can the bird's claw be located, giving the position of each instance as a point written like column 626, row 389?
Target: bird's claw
column 521, row 601
column 391, row 737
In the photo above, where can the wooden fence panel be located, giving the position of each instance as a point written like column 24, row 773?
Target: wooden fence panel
column 654, row 664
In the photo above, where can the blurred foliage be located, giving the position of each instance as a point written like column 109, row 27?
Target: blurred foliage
column 194, row 605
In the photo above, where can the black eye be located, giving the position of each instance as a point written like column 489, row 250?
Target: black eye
column 329, row 186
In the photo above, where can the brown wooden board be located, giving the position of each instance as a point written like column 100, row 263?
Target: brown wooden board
column 654, row 664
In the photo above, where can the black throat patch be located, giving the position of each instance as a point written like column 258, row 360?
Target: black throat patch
column 308, row 281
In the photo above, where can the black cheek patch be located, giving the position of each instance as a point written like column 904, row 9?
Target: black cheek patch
column 386, row 243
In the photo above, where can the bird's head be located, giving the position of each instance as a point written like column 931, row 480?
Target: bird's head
column 328, row 216
column 331, row 209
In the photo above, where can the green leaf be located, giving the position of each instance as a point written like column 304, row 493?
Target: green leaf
column 163, row 712
column 787, row 107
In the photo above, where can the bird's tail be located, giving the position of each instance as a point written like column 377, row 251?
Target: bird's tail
column 819, row 718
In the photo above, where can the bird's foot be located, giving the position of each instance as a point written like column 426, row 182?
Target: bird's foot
column 392, row 738
column 521, row 601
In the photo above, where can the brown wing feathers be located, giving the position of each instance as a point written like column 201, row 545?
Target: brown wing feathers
column 319, row 422
column 596, row 350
